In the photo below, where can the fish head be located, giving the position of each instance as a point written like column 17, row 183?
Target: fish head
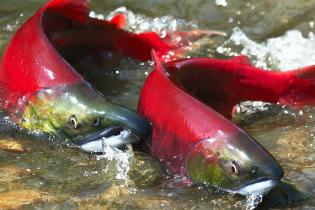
column 78, row 114
column 233, row 163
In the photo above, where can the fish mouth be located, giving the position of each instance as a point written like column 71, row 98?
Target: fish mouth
column 114, row 136
column 260, row 186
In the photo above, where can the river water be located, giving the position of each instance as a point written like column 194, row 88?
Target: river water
column 274, row 34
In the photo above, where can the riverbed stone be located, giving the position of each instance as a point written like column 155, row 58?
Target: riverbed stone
column 18, row 198
column 12, row 145
column 10, row 173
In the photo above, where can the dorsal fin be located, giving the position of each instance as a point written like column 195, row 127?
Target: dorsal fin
column 242, row 59
column 158, row 64
column 119, row 20
column 76, row 10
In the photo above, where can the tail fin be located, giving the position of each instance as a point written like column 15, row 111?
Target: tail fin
column 76, row 10
column 302, row 88
column 158, row 65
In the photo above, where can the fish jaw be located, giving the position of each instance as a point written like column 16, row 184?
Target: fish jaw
column 97, row 142
column 80, row 115
column 259, row 187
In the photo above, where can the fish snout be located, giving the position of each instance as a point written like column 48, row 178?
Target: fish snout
column 263, row 169
column 269, row 169
column 122, row 127
column 234, row 163
column 272, row 170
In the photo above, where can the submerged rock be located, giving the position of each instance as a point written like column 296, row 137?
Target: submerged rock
column 12, row 145
column 11, row 173
column 114, row 192
column 19, row 198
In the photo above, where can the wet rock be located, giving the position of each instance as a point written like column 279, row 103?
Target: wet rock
column 146, row 170
column 282, row 196
column 11, row 173
column 12, row 145
column 149, row 202
column 291, row 145
column 94, row 206
column 124, row 198
column 19, row 198
column 114, row 192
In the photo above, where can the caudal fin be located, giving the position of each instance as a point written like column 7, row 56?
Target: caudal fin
column 301, row 91
column 158, row 64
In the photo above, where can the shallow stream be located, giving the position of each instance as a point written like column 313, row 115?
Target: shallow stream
column 274, row 34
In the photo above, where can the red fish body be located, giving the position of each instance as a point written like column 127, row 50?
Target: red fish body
column 42, row 91
column 222, row 84
column 186, row 101
column 32, row 60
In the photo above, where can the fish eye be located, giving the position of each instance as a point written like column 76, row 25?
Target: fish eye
column 73, row 121
column 97, row 122
column 234, row 168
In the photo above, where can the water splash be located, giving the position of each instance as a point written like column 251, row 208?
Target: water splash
column 288, row 51
column 253, row 200
column 122, row 159
column 251, row 107
column 221, row 3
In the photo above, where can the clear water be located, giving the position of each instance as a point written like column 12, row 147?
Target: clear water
column 275, row 34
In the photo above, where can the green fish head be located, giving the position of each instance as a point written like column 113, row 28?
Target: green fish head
column 235, row 163
column 80, row 115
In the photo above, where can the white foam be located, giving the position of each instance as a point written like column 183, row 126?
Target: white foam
column 221, row 3
column 123, row 159
column 289, row 51
column 253, row 200
column 140, row 23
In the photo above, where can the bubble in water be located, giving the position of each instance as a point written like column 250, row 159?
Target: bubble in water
column 123, row 159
